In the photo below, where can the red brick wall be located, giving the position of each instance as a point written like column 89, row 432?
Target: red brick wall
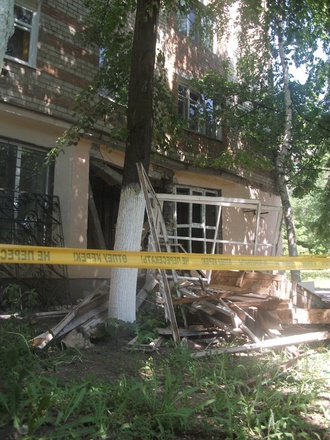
column 63, row 67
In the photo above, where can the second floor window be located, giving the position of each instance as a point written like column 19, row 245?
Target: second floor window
column 199, row 112
column 198, row 28
column 22, row 46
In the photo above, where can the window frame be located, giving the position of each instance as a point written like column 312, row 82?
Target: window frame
column 17, row 150
column 186, row 26
column 197, row 219
column 33, row 6
column 196, row 100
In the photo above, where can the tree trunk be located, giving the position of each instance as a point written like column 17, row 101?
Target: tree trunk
column 6, row 26
column 122, row 296
column 283, row 154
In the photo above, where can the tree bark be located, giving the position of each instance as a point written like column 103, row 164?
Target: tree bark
column 283, row 154
column 6, row 26
column 123, row 284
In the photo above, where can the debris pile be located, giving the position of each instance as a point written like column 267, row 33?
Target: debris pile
column 246, row 306
column 254, row 309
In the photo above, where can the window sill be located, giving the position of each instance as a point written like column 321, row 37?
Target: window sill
column 18, row 61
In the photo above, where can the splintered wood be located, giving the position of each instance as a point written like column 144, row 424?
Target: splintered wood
column 238, row 304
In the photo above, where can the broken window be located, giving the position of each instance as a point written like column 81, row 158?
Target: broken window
column 196, row 226
column 22, row 46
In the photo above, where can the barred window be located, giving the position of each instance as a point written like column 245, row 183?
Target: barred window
column 24, row 168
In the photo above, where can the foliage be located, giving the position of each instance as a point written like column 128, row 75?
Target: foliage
column 173, row 395
column 272, row 120
column 311, row 212
column 248, row 112
column 108, row 28
column 14, row 299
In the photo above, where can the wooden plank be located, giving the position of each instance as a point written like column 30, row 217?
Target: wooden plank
column 229, row 288
column 240, row 278
column 178, row 301
column 152, row 346
column 238, row 322
column 271, row 303
column 95, row 221
column 270, row 343
column 221, row 307
column 103, row 170
column 191, row 331
column 149, row 285
column 51, row 314
column 306, row 316
column 92, row 310
column 163, row 283
column 43, row 339
column 208, row 305
column 304, row 298
column 228, row 328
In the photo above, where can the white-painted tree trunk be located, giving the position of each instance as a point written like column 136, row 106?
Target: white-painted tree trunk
column 6, row 26
column 123, row 284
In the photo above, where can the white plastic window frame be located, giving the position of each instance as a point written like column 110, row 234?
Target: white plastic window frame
column 34, row 6
column 191, row 225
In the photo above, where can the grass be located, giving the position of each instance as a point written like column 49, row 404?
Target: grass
column 174, row 396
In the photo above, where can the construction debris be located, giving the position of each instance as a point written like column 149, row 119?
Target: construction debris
column 90, row 312
column 249, row 308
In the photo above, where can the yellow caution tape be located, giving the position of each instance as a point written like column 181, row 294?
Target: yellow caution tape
column 16, row 254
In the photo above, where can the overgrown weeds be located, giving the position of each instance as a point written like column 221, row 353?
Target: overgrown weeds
column 174, row 396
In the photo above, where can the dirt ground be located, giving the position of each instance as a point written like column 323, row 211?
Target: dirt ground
column 104, row 360
column 111, row 360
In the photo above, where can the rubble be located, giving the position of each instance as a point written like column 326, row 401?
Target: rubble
column 248, row 313
column 245, row 306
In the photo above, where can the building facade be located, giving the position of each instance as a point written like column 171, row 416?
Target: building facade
column 73, row 201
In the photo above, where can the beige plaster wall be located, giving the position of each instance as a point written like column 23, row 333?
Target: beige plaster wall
column 71, row 175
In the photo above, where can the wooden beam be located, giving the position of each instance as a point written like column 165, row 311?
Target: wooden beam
column 269, row 343
column 178, row 301
column 100, row 243
column 106, row 173
column 305, row 316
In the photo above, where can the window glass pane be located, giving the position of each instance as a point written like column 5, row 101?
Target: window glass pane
column 200, row 112
column 23, row 15
column 197, row 213
column 183, row 24
column 194, row 111
column 18, row 45
column 211, row 217
column 192, row 26
column 182, row 213
column 23, row 169
column 207, row 33
column 33, row 174
column 182, row 102
column 180, row 190
column 7, row 166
